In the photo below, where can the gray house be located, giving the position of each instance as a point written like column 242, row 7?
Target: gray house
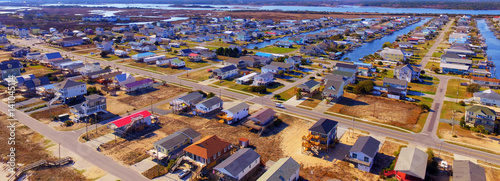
column 465, row 170
column 240, row 165
column 10, row 67
column 286, row 169
column 172, row 145
column 412, row 162
column 363, row 152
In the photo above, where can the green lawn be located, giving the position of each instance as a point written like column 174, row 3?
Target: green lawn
column 428, row 86
column 218, row 44
column 274, row 49
column 423, row 117
column 197, row 76
column 154, row 68
column 195, row 65
column 449, row 108
column 454, row 86
column 437, row 54
column 390, row 74
column 285, row 95
column 432, row 64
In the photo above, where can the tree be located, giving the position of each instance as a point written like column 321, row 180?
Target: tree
column 281, row 73
column 380, row 63
column 424, row 107
column 422, row 72
column 435, row 69
column 277, row 96
column 210, row 95
column 364, row 87
column 471, row 88
column 244, row 52
column 219, row 51
column 387, row 44
column 104, row 54
column 92, row 90
column 462, row 123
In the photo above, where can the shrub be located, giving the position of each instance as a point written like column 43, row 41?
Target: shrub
column 424, row 107
column 68, row 123
column 277, row 96
column 364, row 87
column 210, row 95
column 461, row 103
column 262, row 89
column 471, row 88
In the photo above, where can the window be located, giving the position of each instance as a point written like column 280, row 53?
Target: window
column 354, row 155
column 367, row 159
column 225, row 149
column 215, row 156
column 219, row 153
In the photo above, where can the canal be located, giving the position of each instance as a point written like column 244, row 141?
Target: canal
column 493, row 43
column 372, row 47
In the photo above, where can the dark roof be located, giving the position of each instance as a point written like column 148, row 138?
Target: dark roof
column 68, row 83
column 343, row 73
column 57, row 62
column 103, row 71
column 186, row 51
column 465, row 170
column 176, row 138
column 227, row 68
column 263, row 114
column 323, row 126
column 190, row 132
column 238, row 162
column 333, row 86
column 238, row 107
column 211, row 102
column 10, row 64
column 192, row 96
column 395, row 81
column 309, row 84
column 137, row 83
column 366, row 145
column 53, row 55
column 346, row 65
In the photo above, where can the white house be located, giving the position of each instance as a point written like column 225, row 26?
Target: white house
column 208, row 105
column 237, row 112
column 121, row 53
column 263, row 79
column 105, row 46
column 122, row 79
column 153, row 59
column 238, row 165
column 285, row 169
column 407, row 73
column 363, row 152
column 225, row 72
column 89, row 68
column 177, row 63
column 93, row 104
column 69, row 89
column 246, row 78
column 487, row 97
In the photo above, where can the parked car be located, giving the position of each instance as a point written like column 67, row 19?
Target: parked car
column 184, row 173
column 280, row 105
column 410, row 99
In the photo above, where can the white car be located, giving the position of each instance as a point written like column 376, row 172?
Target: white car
column 184, row 173
column 280, row 105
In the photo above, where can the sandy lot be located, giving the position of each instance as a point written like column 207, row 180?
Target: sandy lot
column 44, row 116
column 468, row 137
column 379, row 109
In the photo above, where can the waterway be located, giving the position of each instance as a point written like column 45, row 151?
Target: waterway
column 372, row 47
column 358, row 9
column 493, row 43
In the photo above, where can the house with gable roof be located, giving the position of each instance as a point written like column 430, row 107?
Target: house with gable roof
column 208, row 151
column 240, row 165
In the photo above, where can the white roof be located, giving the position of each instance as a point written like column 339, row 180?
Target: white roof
column 454, row 66
column 247, row 77
column 391, row 51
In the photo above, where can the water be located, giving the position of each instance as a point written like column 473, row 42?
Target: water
column 359, row 9
column 147, row 22
column 492, row 42
column 372, row 47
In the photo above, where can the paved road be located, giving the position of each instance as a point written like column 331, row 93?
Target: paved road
column 427, row 138
column 440, row 38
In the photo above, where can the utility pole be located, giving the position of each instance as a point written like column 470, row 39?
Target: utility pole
column 352, row 133
column 59, row 151
column 87, row 129
column 95, row 122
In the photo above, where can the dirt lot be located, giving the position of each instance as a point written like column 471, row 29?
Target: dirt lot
column 379, row 109
column 38, row 70
column 30, row 147
column 80, row 47
column 44, row 116
column 468, row 137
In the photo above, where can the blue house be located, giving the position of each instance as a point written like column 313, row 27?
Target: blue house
column 142, row 56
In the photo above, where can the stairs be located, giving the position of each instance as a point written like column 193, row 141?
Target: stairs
column 40, row 163
column 56, row 97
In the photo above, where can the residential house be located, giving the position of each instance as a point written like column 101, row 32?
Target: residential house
column 106, row 46
column 285, row 66
column 263, row 79
column 121, row 53
column 87, row 67
column 70, row 89
column 346, row 67
column 209, row 150
column 34, row 56
column 295, row 60
column 195, row 57
column 334, row 88
column 208, row 55
column 480, row 115
column 50, row 57
column 177, row 63
column 458, row 38
column 70, row 41
column 93, row 104
column 10, row 68
column 137, row 85
column 322, row 135
column 363, row 152
column 242, row 165
column 122, row 79
column 394, row 88
column 188, row 100
column 272, row 69
column 407, row 73
column 122, row 125
column 254, row 61
column 263, row 116
column 349, row 77
column 411, row 164
column 487, row 97
column 405, row 45
column 22, row 32
column 310, row 87
column 225, row 72
column 172, row 145
column 394, row 55
column 453, row 58
column 454, row 68
column 285, row 169
column 465, row 170
column 211, row 105
column 142, row 56
column 235, row 113
column 485, row 81
column 312, row 50
column 240, row 64
column 246, row 78
column 185, row 52
column 20, row 52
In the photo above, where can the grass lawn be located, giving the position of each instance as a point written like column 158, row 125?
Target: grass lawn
column 285, row 95
column 390, row 74
column 454, row 86
column 423, row 117
column 274, row 49
column 153, row 68
column 449, row 108
column 310, row 102
column 437, row 54
column 428, row 86
column 197, row 76
column 432, row 64
column 195, row 65
column 217, row 44
column 110, row 57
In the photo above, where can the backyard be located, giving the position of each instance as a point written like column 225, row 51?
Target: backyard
column 427, row 86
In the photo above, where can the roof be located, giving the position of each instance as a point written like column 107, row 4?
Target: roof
column 191, row 96
column 465, row 170
column 481, row 110
column 488, row 94
column 281, row 64
column 283, row 168
column 266, row 75
column 207, row 147
column 126, row 120
column 271, row 67
column 193, row 54
column 366, row 145
column 54, row 55
column 238, row 107
column 145, row 54
column 137, row 83
column 309, row 84
column 69, row 83
column 454, row 66
column 323, row 126
column 395, row 81
column 178, row 137
column 238, row 162
column 486, row 79
column 122, row 77
column 263, row 114
column 261, row 54
column 343, row 73
column 392, row 51
column 346, row 65
column 10, row 64
column 211, row 102
column 227, row 68
column 412, row 161
column 333, row 86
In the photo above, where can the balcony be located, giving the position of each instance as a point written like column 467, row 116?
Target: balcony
column 354, row 160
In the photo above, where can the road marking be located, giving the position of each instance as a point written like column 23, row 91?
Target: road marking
column 469, row 152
